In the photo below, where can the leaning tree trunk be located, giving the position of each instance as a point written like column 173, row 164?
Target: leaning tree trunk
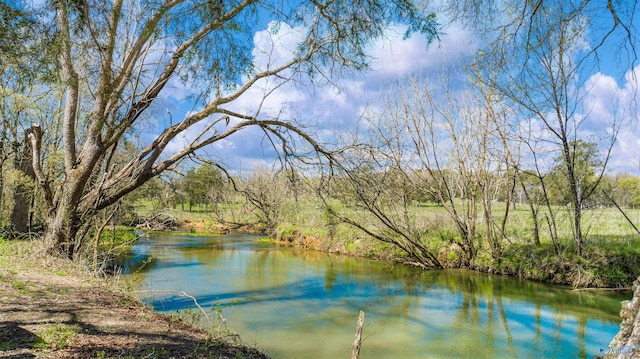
column 65, row 220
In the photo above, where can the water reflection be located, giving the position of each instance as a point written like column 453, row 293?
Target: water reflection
column 295, row 303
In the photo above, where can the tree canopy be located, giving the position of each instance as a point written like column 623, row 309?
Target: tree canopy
column 115, row 61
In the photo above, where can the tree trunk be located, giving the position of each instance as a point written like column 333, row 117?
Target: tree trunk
column 536, row 227
column 576, row 195
column 625, row 344
column 3, row 158
column 62, row 227
column 577, row 222
column 22, row 196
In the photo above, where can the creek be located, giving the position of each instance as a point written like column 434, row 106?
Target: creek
column 295, row 303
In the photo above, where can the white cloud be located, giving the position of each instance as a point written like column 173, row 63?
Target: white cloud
column 398, row 57
column 601, row 99
column 608, row 103
column 608, row 106
column 276, row 45
column 626, row 154
column 334, row 111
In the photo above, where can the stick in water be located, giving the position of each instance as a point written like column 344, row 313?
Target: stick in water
column 355, row 348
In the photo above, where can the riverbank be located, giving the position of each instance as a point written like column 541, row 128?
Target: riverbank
column 602, row 265
column 608, row 268
column 527, row 262
column 280, row 297
column 55, row 309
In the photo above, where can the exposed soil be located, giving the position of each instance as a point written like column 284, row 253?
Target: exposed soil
column 50, row 308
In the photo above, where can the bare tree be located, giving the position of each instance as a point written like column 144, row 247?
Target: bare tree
column 457, row 154
column 528, row 184
column 375, row 193
column 498, row 182
column 538, row 71
column 464, row 147
column 268, row 194
column 125, row 53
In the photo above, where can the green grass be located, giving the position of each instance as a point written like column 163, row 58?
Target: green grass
column 7, row 345
column 5, row 252
column 56, row 290
column 118, row 236
column 20, row 286
column 58, row 336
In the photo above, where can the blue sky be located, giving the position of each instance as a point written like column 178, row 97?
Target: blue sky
column 333, row 110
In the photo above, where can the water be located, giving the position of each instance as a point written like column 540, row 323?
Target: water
column 293, row 303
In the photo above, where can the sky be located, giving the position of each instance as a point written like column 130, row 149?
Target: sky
column 333, row 110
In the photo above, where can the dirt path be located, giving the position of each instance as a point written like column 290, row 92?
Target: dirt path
column 49, row 308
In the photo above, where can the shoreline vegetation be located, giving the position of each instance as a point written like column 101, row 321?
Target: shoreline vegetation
column 599, row 268
column 515, row 237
